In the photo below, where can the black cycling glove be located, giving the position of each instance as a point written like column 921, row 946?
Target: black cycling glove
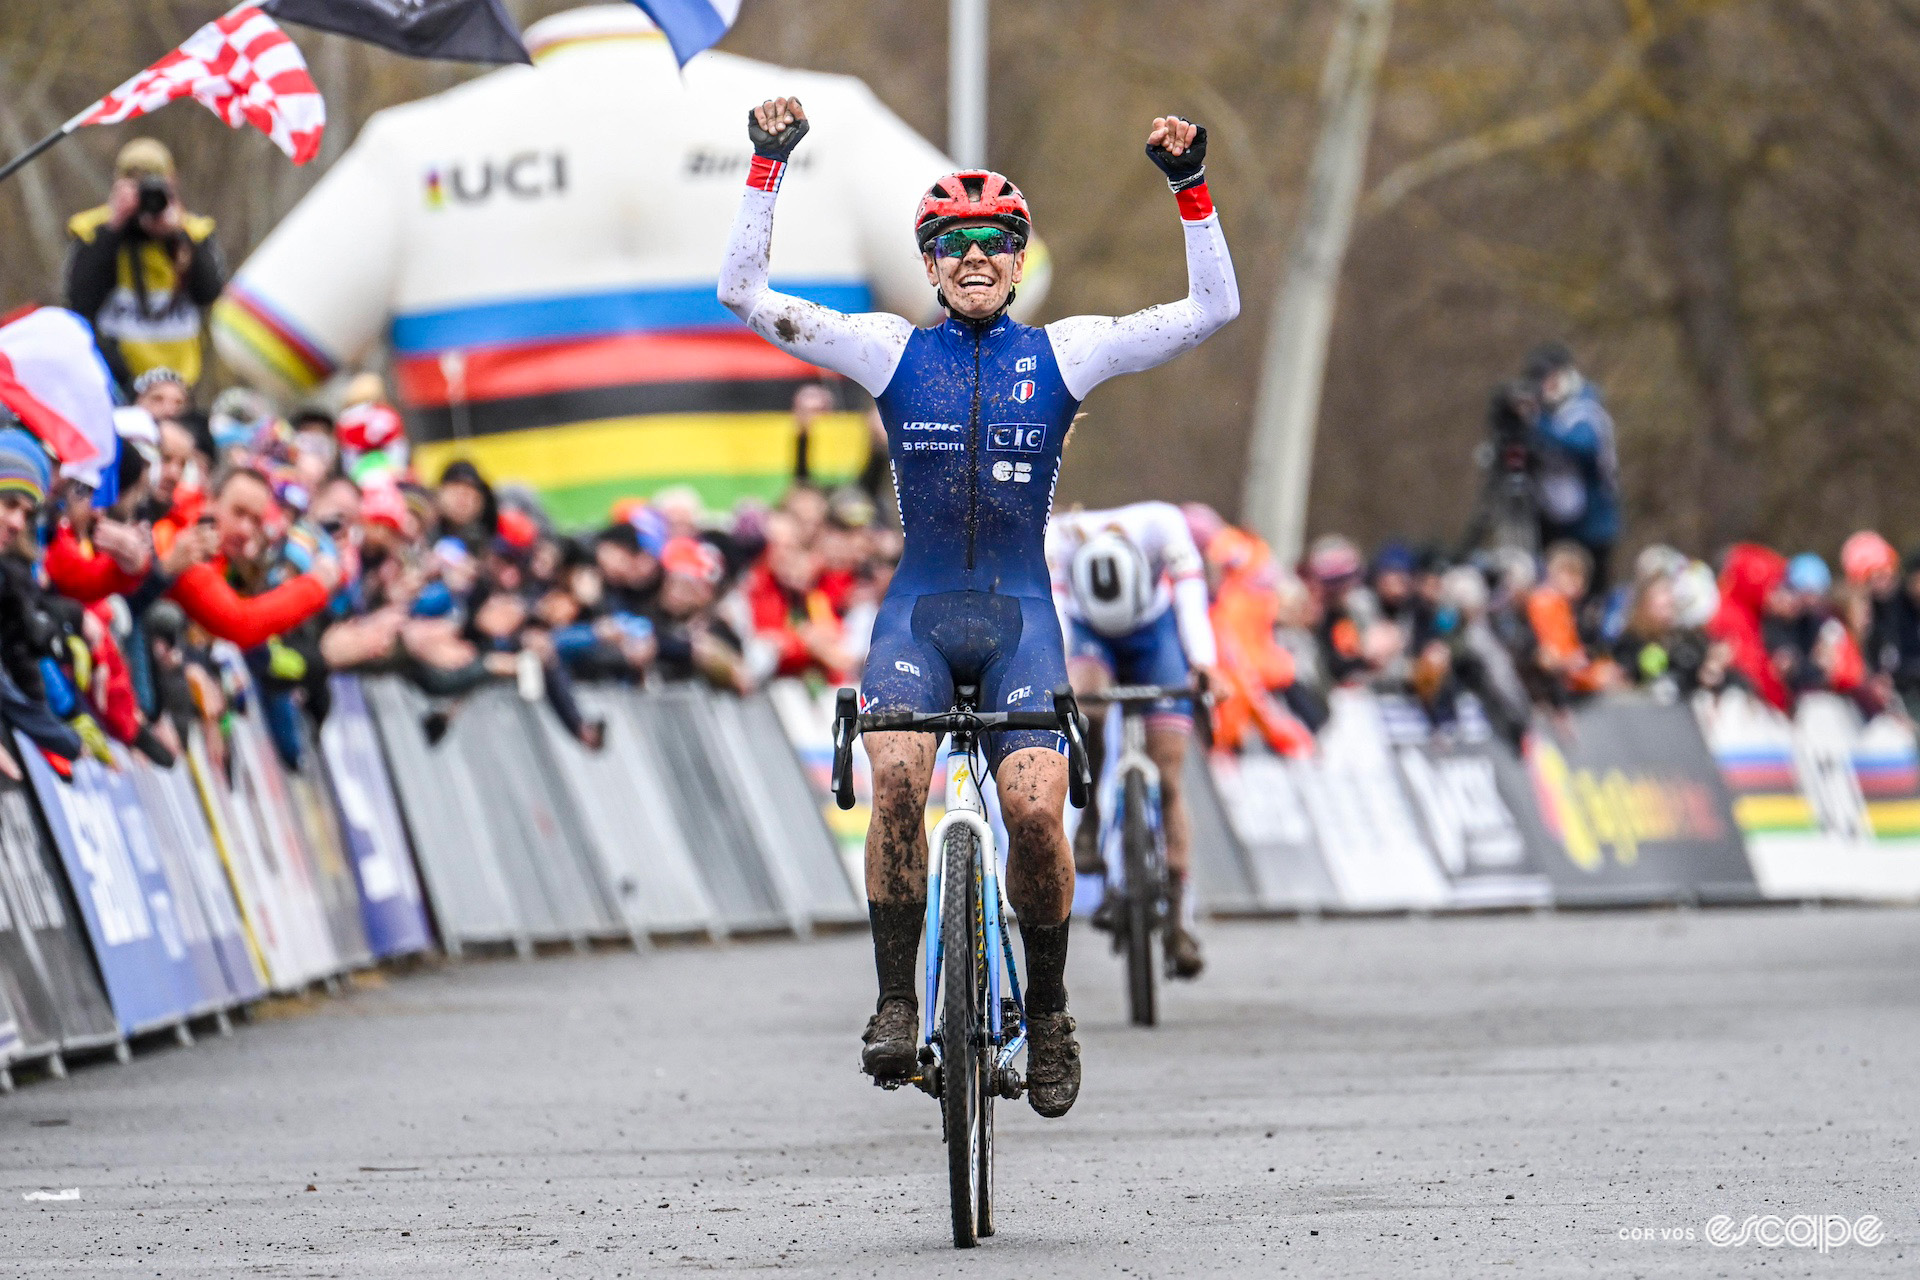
column 775, row 147
column 1189, row 168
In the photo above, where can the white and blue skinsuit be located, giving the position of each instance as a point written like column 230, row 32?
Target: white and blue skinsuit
column 976, row 417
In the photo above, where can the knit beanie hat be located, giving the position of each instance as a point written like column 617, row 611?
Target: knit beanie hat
column 24, row 467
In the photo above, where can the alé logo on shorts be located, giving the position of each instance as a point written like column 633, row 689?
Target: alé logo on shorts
column 902, row 665
column 1024, row 691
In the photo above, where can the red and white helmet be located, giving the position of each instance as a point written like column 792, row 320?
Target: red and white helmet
column 972, row 196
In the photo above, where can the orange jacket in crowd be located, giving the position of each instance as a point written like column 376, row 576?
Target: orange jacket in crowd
column 1253, row 666
column 1550, row 614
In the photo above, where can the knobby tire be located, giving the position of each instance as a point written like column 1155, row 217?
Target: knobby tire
column 959, row 1019
column 1143, row 891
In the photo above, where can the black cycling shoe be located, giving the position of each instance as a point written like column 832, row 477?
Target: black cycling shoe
column 1183, row 952
column 1053, row 1063
column 1086, row 848
column 892, row 1040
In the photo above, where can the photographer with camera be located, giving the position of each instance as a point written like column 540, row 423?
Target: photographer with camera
column 143, row 270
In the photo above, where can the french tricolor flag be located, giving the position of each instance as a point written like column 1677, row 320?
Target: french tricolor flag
column 691, row 25
column 52, row 377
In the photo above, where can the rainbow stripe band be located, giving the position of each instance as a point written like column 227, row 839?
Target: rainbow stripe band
column 274, row 339
column 525, row 321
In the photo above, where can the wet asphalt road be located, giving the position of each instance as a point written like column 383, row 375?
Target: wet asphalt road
column 1502, row 1095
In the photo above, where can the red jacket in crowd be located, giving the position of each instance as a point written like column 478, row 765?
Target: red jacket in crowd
column 80, row 572
column 207, row 597
column 1750, row 575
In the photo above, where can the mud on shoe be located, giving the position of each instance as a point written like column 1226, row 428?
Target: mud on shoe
column 891, row 1039
column 1053, row 1063
column 1183, row 952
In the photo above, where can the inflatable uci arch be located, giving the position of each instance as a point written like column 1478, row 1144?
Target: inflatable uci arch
column 538, row 251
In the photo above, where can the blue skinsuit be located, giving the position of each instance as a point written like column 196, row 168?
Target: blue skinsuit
column 976, row 418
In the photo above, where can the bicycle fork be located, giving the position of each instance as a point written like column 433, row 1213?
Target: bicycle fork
column 993, row 944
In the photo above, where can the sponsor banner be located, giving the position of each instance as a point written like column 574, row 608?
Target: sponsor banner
column 1267, row 812
column 1362, row 819
column 1476, row 807
column 158, row 859
column 56, row 990
column 29, row 1019
column 171, row 802
column 281, row 914
column 1830, row 806
column 316, row 824
column 260, row 794
column 1635, row 807
column 127, row 907
column 392, row 909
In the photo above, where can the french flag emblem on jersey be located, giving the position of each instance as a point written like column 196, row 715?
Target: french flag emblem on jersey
column 1022, row 391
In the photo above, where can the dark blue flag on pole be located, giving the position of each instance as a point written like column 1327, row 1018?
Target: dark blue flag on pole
column 451, row 30
column 691, row 25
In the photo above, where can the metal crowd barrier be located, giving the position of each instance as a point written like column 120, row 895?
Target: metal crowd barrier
column 695, row 819
column 136, row 899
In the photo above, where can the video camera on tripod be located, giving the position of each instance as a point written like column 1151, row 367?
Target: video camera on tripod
column 1507, row 514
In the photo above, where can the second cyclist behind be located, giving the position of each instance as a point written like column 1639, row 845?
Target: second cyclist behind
column 1132, row 590
column 977, row 409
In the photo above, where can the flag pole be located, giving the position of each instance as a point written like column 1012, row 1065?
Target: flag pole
column 19, row 161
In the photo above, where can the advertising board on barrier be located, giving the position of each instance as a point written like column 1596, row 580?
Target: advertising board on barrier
column 171, row 891
column 1830, row 805
column 172, row 805
column 391, row 906
column 57, row 991
column 1476, row 808
column 128, row 909
column 1635, row 807
column 1620, row 804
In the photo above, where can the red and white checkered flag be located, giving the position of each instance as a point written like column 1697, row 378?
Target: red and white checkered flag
column 244, row 69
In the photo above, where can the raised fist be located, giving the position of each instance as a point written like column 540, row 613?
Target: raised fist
column 1179, row 147
column 776, row 127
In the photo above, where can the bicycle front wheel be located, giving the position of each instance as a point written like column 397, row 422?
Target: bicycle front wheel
column 1143, row 893
column 961, row 929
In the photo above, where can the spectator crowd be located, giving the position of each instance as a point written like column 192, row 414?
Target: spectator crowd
column 310, row 545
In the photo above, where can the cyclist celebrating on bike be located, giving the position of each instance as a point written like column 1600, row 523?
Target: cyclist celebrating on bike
column 977, row 409
column 1132, row 592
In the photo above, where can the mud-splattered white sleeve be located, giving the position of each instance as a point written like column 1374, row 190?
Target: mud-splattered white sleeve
column 865, row 347
column 1091, row 349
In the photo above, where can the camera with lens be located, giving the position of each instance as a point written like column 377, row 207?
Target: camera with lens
column 155, row 195
column 1511, row 414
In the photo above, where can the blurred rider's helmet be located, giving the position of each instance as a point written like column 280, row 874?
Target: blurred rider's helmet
column 1112, row 584
column 972, row 196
